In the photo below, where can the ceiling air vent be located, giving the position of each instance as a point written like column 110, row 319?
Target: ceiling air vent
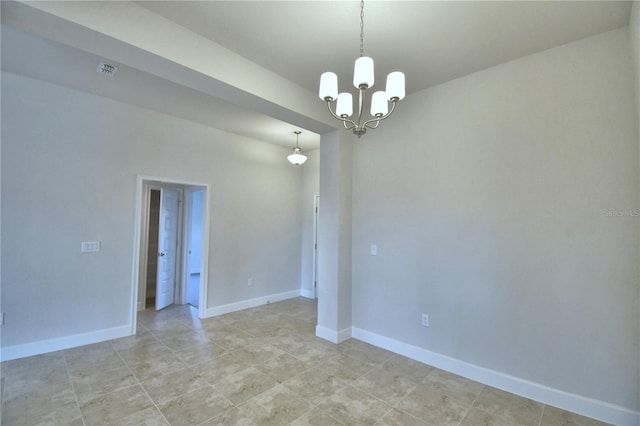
column 107, row 69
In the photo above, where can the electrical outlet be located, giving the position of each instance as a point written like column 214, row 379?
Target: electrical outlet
column 425, row 320
column 90, row 246
column 250, row 282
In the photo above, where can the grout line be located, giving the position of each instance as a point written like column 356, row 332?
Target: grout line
column 544, row 407
column 142, row 387
column 471, row 406
column 73, row 387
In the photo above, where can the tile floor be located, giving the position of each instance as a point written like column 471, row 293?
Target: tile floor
column 261, row 366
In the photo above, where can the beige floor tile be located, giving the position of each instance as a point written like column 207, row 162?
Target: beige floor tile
column 316, row 384
column 515, row 408
column 300, row 326
column 354, row 407
column 148, row 417
column 140, row 339
column 411, row 370
column 40, row 380
column 237, row 340
column 384, row 385
column 179, row 339
column 155, row 365
column 195, row 407
column 283, row 367
column 115, row 405
column 143, row 351
column 220, row 367
column 35, row 363
column 267, row 329
column 59, row 407
column 433, row 406
column 364, row 352
column 165, row 325
column 476, row 417
column 231, row 417
column 276, row 406
column 105, row 360
column 397, row 417
column 315, row 417
column 462, row 389
column 306, row 348
column 85, row 353
column 346, row 367
column 245, row 384
column 553, row 416
column 102, row 382
column 195, row 354
column 165, row 388
column 257, row 354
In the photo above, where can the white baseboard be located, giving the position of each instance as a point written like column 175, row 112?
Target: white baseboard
column 333, row 336
column 44, row 346
column 309, row 294
column 250, row 303
column 571, row 402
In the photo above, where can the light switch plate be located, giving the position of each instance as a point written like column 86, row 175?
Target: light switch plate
column 90, row 247
column 374, row 250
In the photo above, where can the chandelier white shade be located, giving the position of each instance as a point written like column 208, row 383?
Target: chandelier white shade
column 297, row 158
column 363, row 79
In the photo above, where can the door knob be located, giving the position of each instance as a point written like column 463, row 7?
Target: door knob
column 162, row 254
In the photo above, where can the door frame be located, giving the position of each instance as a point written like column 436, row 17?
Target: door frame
column 140, row 243
column 316, row 207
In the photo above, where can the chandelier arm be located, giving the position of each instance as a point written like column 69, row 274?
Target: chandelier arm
column 344, row 120
column 349, row 126
column 369, row 126
column 382, row 117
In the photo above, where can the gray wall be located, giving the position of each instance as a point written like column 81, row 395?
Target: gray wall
column 494, row 201
column 69, row 166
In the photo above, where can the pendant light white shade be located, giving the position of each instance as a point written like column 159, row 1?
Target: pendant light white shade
column 344, row 106
column 379, row 104
column 296, row 158
column 363, row 72
column 395, row 85
column 328, row 86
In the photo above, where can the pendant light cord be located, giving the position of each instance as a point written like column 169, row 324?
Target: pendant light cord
column 361, row 28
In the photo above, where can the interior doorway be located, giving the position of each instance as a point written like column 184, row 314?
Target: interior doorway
column 172, row 241
column 193, row 241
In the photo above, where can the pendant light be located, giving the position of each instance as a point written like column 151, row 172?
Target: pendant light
column 297, row 158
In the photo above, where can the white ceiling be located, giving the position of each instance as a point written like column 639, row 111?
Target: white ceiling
column 430, row 41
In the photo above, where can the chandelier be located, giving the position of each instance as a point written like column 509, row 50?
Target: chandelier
column 297, row 158
column 363, row 79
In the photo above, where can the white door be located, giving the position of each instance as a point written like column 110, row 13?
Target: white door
column 167, row 242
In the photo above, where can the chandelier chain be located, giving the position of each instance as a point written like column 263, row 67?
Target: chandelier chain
column 361, row 28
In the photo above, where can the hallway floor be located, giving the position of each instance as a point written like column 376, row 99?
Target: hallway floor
column 259, row 366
